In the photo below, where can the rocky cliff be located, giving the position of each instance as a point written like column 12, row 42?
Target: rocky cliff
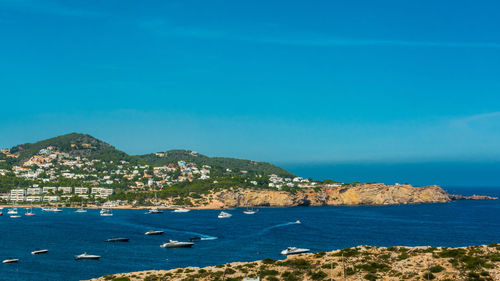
column 366, row 194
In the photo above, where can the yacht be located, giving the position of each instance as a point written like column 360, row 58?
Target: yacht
column 154, row 232
column 10, row 260
column 106, row 213
column 177, row 244
column 12, row 211
column 181, row 210
column 80, row 210
column 37, row 252
column 224, row 215
column 117, row 239
column 86, row 256
column 294, row 251
column 250, row 212
column 155, row 210
column 52, row 209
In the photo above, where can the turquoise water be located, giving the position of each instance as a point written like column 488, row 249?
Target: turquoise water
column 240, row 238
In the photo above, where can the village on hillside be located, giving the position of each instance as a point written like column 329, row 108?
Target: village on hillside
column 56, row 176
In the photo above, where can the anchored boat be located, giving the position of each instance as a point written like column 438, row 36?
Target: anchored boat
column 37, row 252
column 177, row 244
column 86, row 256
column 154, row 232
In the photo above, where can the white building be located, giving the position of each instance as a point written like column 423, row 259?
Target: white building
column 34, row 191
column 51, row 198
column 17, row 195
column 65, row 189
column 100, row 192
column 81, row 190
column 33, row 198
column 46, row 189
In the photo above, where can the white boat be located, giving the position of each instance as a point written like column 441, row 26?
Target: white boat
column 106, row 213
column 10, row 260
column 154, row 232
column 294, row 251
column 250, row 212
column 15, row 216
column 86, row 256
column 297, row 222
column 37, row 252
column 81, row 210
column 1, row 211
column 177, row 244
column 52, row 209
column 181, row 210
column 155, row 210
column 12, row 211
column 224, row 215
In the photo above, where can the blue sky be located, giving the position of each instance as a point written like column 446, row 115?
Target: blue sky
column 280, row 81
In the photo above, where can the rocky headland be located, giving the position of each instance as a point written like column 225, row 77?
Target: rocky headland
column 363, row 194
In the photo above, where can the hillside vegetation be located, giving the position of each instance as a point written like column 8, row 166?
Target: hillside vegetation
column 84, row 145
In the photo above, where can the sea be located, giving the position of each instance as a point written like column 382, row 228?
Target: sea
column 239, row 238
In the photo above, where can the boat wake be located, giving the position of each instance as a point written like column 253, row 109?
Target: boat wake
column 278, row 225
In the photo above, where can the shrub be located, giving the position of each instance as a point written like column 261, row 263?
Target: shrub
column 436, row 269
column 318, row 275
column 268, row 261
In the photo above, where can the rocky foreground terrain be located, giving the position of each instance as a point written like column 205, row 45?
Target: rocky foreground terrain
column 360, row 263
column 363, row 194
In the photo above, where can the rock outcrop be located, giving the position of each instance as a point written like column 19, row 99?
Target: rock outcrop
column 366, row 194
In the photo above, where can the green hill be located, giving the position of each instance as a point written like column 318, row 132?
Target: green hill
column 84, row 145
column 217, row 163
column 75, row 145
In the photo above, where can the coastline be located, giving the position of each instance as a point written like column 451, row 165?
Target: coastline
column 358, row 263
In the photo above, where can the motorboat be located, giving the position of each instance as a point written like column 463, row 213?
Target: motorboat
column 195, row 238
column 52, row 209
column 86, row 256
column 10, row 261
column 294, row 251
column 250, row 212
column 106, row 213
column 81, row 210
column 224, row 215
column 1, row 211
column 38, row 252
column 15, row 216
column 155, row 232
column 181, row 210
column 117, row 239
column 155, row 210
column 177, row 244
column 12, row 211
column 298, row 222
